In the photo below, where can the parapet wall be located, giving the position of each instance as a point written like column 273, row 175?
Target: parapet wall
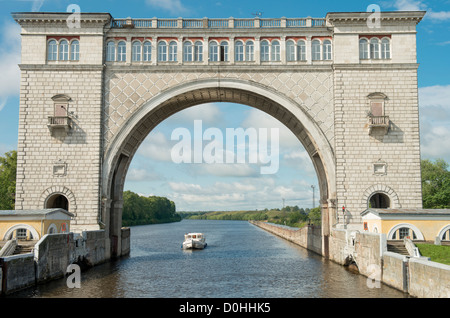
column 307, row 237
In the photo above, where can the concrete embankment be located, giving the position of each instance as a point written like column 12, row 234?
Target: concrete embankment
column 417, row 276
column 52, row 255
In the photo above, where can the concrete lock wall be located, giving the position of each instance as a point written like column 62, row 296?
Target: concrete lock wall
column 368, row 251
column 394, row 270
column 428, row 279
column 51, row 257
column 53, row 253
column 307, row 237
column 17, row 272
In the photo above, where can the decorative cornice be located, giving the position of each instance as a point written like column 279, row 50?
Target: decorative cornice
column 25, row 18
column 362, row 17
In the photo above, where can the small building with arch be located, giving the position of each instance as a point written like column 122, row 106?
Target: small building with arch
column 416, row 224
column 31, row 225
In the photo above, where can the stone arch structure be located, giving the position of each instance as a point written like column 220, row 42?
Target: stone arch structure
column 115, row 103
column 58, row 190
column 126, row 142
column 383, row 189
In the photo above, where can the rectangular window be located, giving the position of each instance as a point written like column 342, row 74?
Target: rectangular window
column 21, row 234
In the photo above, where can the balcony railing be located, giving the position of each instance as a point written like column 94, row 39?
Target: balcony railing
column 56, row 122
column 218, row 23
column 379, row 122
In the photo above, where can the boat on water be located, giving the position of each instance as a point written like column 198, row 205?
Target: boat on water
column 194, row 241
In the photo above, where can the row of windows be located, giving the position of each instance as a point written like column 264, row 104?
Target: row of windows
column 374, row 48
column 243, row 51
column 63, row 50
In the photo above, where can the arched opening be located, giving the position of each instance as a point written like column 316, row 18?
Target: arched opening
column 57, row 201
column 405, row 230
column 124, row 145
column 379, row 201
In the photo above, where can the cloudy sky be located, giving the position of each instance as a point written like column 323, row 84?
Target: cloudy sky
column 238, row 186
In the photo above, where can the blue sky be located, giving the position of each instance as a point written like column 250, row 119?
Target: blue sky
column 221, row 187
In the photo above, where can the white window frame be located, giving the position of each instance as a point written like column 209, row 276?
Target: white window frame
column 147, row 51
column 52, row 50
column 136, row 51
column 291, row 51
column 385, row 50
column 249, row 51
column 122, row 51
column 111, row 51
column 75, row 50
column 275, row 54
column 213, row 51
column 188, row 51
column 374, row 45
column 162, row 51
column 63, row 48
column 316, row 50
column 198, row 51
column 265, row 51
column 327, row 50
column 301, row 50
column 173, row 51
column 364, row 53
column 239, row 51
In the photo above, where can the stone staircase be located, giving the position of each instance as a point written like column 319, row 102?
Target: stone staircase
column 24, row 247
column 397, row 247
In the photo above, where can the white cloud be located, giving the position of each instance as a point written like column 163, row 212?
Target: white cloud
column 140, row 175
column 157, row 147
column 258, row 119
column 172, row 6
column 245, row 194
column 209, row 114
column 419, row 5
column 434, row 104
column 10, row 52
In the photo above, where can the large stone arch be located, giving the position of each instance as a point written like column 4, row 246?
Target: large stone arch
column 121, row 149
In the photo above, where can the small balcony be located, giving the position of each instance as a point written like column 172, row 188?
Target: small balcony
column 56, row 123
column 379, row 123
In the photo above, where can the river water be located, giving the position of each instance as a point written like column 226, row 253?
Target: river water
column 240, row 261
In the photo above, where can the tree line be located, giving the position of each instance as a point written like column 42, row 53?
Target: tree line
column 140, row 210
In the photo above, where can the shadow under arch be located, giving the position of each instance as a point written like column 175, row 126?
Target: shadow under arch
column 120, row 151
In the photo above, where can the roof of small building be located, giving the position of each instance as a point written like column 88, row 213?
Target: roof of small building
column 407, row 212
column 43, row 212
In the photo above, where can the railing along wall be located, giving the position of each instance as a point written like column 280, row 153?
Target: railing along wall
column 218, row 23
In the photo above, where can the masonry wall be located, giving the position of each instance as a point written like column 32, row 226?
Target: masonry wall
column 429, row 279
column 357, row 151
column 307, row 237
column 78, row 150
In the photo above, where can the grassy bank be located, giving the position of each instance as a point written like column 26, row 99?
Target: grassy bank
column 437, row 253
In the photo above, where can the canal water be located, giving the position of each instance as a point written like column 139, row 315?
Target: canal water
column 240, row 261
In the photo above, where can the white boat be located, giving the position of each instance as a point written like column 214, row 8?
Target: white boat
column 194, row 241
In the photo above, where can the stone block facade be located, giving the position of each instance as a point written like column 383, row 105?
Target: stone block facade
column 113, row 97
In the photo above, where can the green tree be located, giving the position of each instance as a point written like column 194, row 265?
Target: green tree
column 315, row 215
column 435, row 184
column 8, row 168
